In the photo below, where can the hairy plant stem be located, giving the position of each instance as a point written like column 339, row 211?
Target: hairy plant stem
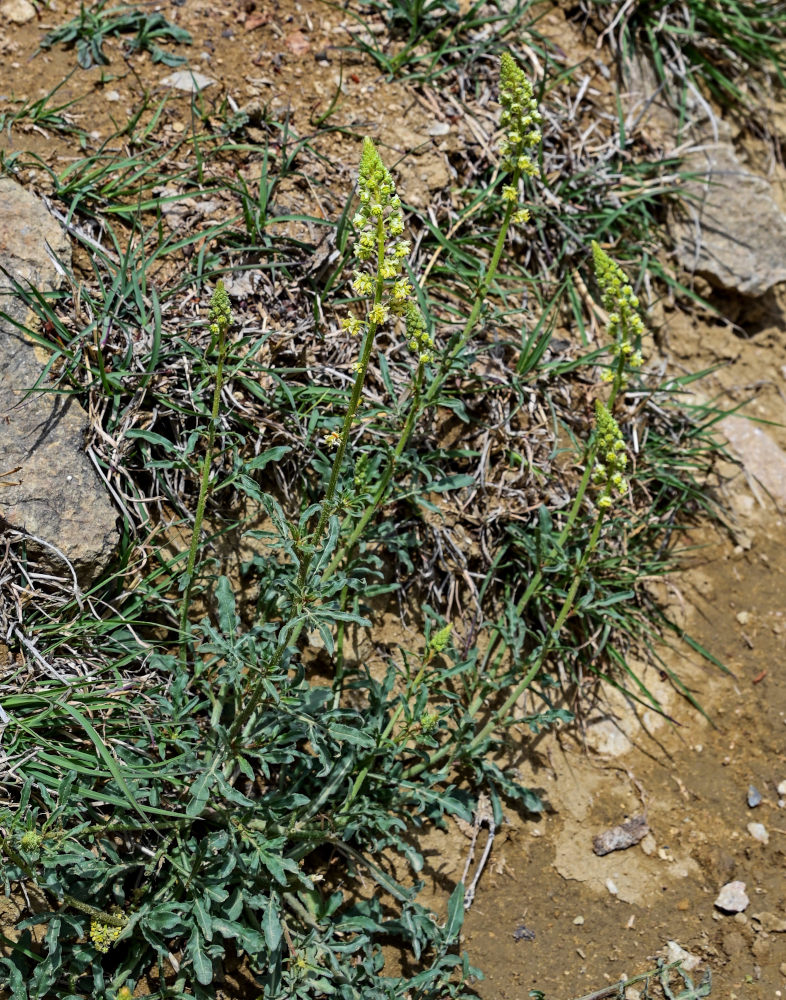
column 358, row 783
column 349, row 416
column 199, row 516
column 501, row 714
column 254, row 696
column 387, row 475
column 498, row 645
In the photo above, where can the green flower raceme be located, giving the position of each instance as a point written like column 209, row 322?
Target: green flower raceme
column 419, row 341
column 625, row 327
column 610, row 459
column 220, row 314
column 521, row 120
column 380, row 223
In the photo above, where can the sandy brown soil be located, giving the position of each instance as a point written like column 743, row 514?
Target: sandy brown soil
column 691, row 777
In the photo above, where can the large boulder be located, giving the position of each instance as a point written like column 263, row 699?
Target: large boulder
column 56, row 497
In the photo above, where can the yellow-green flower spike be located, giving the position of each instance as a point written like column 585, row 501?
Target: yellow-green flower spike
column 520, row 117
column 419, row 340
column 103, row 935
column 220, row 315
column 610, row 458
column 379, row 222
column 625, row 326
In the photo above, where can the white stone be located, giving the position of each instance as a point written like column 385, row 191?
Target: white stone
column 648, row 845
column 612, row 887
column 17, row 11
column 188, row 80
column 763, row 459
column 782, row 788
column 758, row 832
column 732, row 898
column 111, row 96
column 674, row 953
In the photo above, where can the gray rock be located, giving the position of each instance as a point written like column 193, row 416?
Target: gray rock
column 754, row 795
column 56, row 494
column 729, row 227
column 761, row 457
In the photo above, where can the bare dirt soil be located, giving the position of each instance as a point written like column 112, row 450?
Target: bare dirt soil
column 592, row 919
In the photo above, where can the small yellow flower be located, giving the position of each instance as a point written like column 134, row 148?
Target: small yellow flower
column 103, row 935
column 362, row 283
column 401, row 290
column 378, row 314
column 352, row 324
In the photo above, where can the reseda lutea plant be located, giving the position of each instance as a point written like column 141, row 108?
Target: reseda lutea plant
column 192, row 831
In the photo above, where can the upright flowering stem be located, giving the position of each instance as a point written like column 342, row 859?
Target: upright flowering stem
column 606, row 461
column 520, row 119
column 609, row 446
column 624, row 331
column 380, row 224
column 624, row 328
column 220, row 319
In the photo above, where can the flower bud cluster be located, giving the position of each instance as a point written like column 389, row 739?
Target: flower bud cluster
column 103, row 935
column 625, row 326
column 380, row 223
column 428, row 722
column 419, row 340
column 521, row 120
column 610, row 457
column 220, row 315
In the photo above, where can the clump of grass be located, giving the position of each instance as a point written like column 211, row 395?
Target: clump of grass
column 93, row 24
column 716, row 44
column 205, row 816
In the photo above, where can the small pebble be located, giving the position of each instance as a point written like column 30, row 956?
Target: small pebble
column 610, row 885
column 754, row 797
column 743, row 617
column 782, row 788
column 759, row 832
column 648, row 845
column 578, row 921
column 111, row 96
column 674, row 953
column 732, row 897
column 770, row 923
